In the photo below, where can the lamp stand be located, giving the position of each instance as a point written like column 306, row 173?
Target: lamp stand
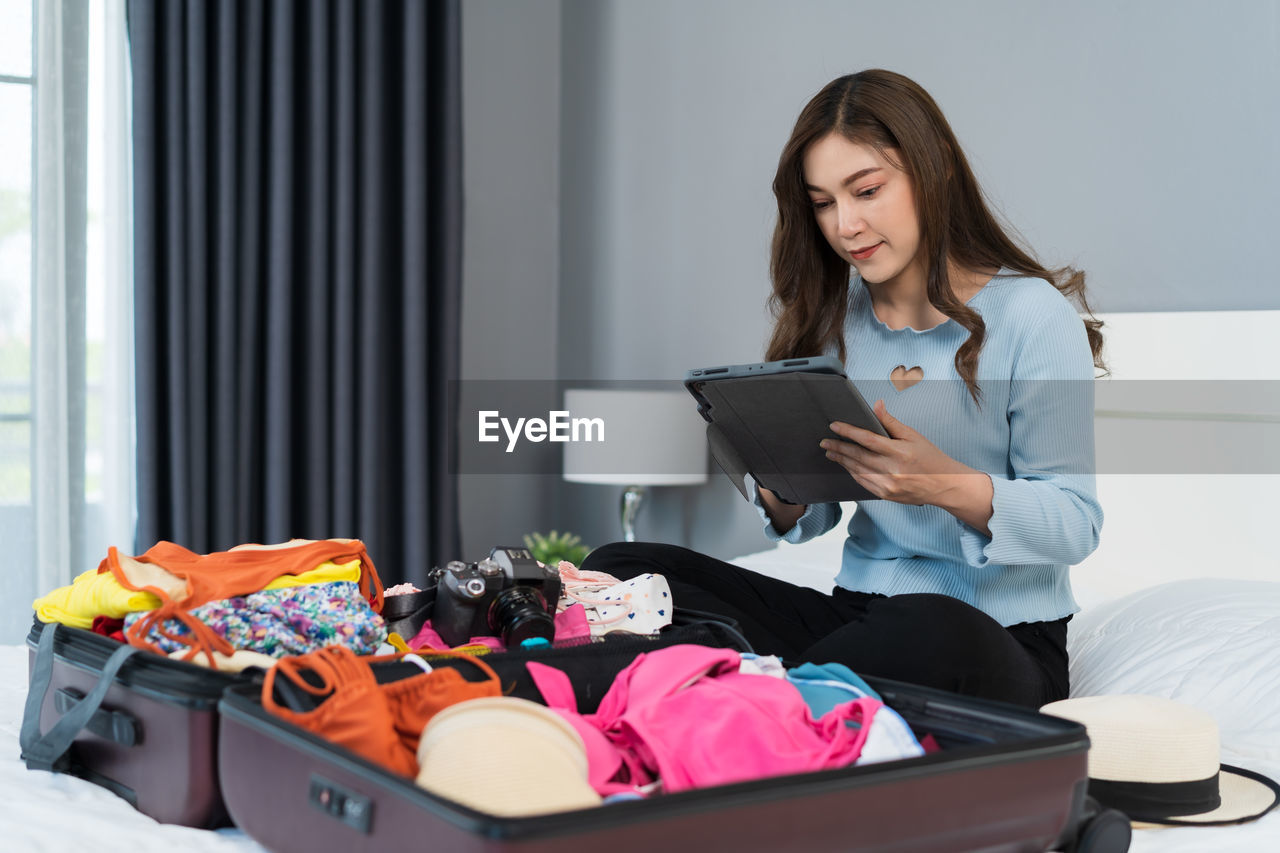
column 632, row 499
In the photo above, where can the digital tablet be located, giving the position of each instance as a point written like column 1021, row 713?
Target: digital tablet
column 766, row 420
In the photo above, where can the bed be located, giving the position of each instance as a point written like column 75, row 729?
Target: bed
column 1182, row 598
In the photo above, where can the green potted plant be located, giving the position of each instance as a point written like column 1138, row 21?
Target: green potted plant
column 553, row 547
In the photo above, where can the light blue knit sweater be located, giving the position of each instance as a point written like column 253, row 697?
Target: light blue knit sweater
column 1033, row 434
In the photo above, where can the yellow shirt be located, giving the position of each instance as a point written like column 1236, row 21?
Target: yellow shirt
column 92, row 594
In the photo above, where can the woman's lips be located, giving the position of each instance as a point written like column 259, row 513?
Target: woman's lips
column 865, row 253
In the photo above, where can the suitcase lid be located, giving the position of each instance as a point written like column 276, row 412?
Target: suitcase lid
column 164, row 679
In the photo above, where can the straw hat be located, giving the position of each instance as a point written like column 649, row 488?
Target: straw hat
column 505, row 756
column 1157, row 761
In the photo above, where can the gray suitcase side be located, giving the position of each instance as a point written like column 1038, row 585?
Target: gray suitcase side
column 153, row 739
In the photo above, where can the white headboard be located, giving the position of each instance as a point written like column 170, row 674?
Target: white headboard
column 1171, row 526
column 1159, row 526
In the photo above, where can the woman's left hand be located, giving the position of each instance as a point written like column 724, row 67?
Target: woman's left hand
column 905, row 467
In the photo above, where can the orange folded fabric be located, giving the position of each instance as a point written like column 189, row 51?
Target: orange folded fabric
column 381, row 722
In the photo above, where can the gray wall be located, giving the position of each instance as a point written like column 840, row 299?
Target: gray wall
column 620, row 154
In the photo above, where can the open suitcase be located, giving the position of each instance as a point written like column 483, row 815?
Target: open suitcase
column 147, row 731
column 1005, row 779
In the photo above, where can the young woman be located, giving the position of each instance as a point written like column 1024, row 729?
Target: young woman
column 886, row 254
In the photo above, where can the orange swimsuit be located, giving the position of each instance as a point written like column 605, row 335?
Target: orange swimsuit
column 381, row 722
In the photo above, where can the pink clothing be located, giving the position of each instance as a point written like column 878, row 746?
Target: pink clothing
column 571, row 624
column 686, row 716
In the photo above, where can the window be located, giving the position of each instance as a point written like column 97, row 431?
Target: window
column 65, row 402
column 17, row 113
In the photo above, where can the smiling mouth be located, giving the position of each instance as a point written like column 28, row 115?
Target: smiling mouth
column 863, row 254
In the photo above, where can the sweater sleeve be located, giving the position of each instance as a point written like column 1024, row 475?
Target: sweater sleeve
column 817, row 518
column 1046, row 510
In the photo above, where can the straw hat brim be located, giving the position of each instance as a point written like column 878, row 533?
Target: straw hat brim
column 1245, row 796
column 505, row 756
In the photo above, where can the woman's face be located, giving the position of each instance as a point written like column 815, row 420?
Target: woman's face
column 864, row 206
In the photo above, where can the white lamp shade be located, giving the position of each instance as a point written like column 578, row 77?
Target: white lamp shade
column 650, row 438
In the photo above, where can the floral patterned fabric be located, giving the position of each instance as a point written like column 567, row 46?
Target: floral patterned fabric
column 280, row 622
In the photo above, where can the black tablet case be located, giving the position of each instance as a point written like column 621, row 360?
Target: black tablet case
column 769, row 427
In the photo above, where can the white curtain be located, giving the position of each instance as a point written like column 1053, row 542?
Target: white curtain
column 82, row 402
column 57, row 345
column 119, row 507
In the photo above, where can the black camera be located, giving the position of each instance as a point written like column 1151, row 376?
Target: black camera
column 508, row 594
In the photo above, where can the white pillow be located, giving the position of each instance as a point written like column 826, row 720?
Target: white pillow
column 813, row 564
column 1212, row 643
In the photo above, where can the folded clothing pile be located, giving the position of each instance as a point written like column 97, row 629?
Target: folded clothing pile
column 245, row 606
column 641, row 605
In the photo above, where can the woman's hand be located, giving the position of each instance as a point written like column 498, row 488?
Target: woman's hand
column 907, row 468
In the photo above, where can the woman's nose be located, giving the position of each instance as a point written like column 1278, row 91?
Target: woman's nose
column 848, row 222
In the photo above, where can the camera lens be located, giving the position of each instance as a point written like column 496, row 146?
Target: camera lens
column 519, row 613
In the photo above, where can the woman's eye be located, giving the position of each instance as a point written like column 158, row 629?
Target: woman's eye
column 821, row 205
column 868, row 192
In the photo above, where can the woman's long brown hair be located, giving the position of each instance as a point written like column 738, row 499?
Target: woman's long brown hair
column 898, row 118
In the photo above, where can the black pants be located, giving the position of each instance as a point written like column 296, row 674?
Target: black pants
column 923, row 638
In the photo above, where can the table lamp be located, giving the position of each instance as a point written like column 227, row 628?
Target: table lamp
column 646, row 438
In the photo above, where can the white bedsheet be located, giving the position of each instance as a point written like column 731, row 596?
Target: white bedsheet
column 1212, row 643
column 49, row 811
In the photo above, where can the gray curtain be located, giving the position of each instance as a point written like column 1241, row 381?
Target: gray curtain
column 297, row 221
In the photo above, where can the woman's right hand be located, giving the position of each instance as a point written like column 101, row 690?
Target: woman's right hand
column 783, row 515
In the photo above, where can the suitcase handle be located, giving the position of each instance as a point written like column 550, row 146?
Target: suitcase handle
column 48, row 751
column 119, row 727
